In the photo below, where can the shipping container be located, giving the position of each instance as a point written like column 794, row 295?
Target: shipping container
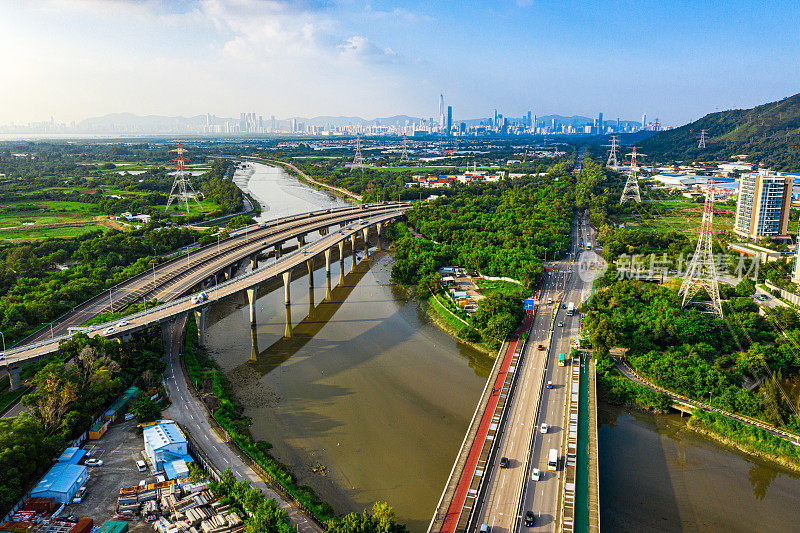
column 42, row 504
column 112, row 526
column 84, row 525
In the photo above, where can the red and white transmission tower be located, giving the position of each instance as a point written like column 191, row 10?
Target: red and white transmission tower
column 181, row 182
column 631, row 190
column 702, row 271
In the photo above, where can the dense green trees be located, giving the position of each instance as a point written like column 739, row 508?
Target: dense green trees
column 33, row 291
column 695, row 355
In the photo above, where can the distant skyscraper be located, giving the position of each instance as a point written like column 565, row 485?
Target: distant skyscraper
column 529, row 124
column 441, row 111
column 644, row 121
column 449, row 119
column 494, row 124
column 600, row 124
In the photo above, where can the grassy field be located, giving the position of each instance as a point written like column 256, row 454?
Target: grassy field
column 41, row 233
column 672, row 219
column 488, row 287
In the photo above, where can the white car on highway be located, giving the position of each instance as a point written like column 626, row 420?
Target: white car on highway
column 536, row 474
column 109, row 331
column 123, row 324
column 544, row 428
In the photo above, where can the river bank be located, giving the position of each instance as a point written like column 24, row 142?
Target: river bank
column 353, row 401
column 305, row 178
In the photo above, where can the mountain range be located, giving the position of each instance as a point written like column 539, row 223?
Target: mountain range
column 768, row 134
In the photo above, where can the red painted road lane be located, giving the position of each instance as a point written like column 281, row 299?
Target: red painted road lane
column 460, row 495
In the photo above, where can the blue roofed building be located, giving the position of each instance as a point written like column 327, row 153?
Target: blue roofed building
column 164, row 442
column 61, row 482
column 71, row 455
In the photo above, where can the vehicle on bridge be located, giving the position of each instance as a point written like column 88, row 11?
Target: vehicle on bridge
column 201, row 297
column 549, row 384
column 536, row 474
column 504, row 462
column 562, row 359
column 570, row 309
column 552, row 460
column 544, row 428
column 529, row 517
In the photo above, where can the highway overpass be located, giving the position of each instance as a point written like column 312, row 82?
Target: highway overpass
column 202, row 268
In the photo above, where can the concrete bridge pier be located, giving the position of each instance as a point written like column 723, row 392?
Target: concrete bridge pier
column 287, row 281
column 310, row 301
column 254, row 261
column 365, row 232
column 288, row 331
column 14, row 377
column 328, row 294
column 278, row 248
column 301, row 240
column 341, row 251
column 327, row 254
column 227, row 272
column 323, row 232
column 252, row 295
column 310, row 266
column 379, row 229
column 253, row 342
column 200, row 318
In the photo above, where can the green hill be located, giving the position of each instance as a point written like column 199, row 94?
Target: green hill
column 769, row 134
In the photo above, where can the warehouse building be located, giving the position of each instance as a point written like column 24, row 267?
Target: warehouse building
column 61, row 482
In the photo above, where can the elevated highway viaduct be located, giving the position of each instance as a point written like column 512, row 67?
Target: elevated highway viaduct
column 200, row 269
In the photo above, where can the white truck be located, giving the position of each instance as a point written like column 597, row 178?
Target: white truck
column 570, row 309
column 199, row 297
column 552, row 460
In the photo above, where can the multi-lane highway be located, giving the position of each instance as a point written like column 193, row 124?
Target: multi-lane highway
column 157, row 315
column 510, row 491
column 173, row 278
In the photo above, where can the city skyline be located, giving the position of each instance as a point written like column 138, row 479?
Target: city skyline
column 86, row 58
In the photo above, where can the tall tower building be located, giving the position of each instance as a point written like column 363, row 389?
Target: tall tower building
column 600, row 129
column 449, row 119
column 762, row 209
column 441, row 111
column 644, row 121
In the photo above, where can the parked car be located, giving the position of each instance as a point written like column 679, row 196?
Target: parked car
column 109, row 331
column 536, row 474
column 142, row 483
column 504, row 462
column 141, row 465
column 544, row 428
column 94, row 462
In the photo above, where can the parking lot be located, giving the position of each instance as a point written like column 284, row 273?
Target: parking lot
column 119, row 449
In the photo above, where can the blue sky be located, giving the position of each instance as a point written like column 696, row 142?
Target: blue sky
column 674, row 60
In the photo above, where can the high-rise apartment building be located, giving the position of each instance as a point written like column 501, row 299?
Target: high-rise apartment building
column 600, row 124
column 762, row 209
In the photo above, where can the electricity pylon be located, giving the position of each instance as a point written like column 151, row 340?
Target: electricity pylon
column 404, row 156
column 181, row 182
column 631, row 190
column 702, row 271
column 702, row 143
column 358, row 160
column 612, row 156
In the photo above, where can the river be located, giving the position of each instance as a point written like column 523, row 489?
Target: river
column 367, row 391
column 370, row 391
column 657, row 475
